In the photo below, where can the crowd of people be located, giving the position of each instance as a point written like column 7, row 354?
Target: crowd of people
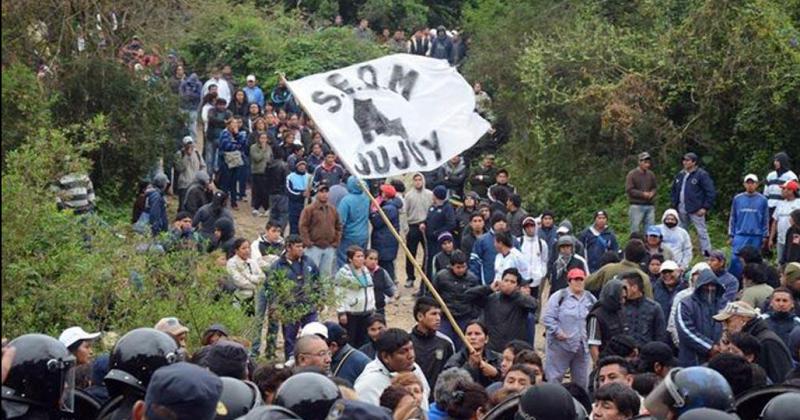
column 654, row 328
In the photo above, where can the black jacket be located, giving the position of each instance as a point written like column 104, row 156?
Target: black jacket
column 605, row 318
column 461, row 360
column 782, row 323
column 453, row 291
column 505, row 316
column 774, row 357
column 432, row 352
column 644, row 321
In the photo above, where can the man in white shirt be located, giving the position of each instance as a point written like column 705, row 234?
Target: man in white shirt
column 781, row 217
column 223, row 89
column 508, row 256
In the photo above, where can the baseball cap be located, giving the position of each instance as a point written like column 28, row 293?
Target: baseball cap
column 791, row 185
column 699, row 267
column 736, row 308
column 690, row 156
column 717, row 255
column 751, row 177
column 444, row 237
column 171, row 325
column 562, row 229
column 188, row 140
column 389, row 189
column 656, row 351
column 72, row 335
column 669, row 265
column 184, row 388
column 600, row 213
column 644, row 156
column 792, row 271
column 317, row 328
column 576, row 273
column 251, row 77
column 654, row 231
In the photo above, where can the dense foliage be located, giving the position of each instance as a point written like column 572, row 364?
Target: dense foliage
column 588, row 85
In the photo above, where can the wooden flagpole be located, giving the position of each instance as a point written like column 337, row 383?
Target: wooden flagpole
column 409, row 256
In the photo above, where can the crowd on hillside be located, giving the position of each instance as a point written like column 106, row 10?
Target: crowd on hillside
column 656, row 328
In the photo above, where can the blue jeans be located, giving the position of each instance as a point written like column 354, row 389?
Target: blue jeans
column 641, row 212
column 739, row 242
column 290, row 332
column 324, row 258
column 210, row 156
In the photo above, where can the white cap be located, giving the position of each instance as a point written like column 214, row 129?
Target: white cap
column 562, row 229
column 750, row 177
column 699, row 267
column 251, row 77
column 317, row 328
column 188, row 140
column 669, row 265
column 72, row 335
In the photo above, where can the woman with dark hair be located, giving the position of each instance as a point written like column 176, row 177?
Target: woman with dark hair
column 253, row 115
column 239, row 106
column 484, row 365
column 244, row 274
column 357, row 296
column 470, row 402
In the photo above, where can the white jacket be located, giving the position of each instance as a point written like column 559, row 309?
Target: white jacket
column 677, row 240
column 514, row 259
column 245, row 276
column 535, row 252
column 376, row 377
column 353, row 296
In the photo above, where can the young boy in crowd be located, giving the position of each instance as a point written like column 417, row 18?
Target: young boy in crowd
column 505, row 308
column 268, row 244
column 385, row 286
column 442, row 260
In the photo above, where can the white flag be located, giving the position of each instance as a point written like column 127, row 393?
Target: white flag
column 396, row 114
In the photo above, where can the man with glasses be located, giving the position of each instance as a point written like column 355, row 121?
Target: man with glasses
column 312, row 350
column 693, row 195
column 640, row 186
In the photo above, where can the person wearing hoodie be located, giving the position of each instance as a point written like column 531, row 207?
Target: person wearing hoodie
column 299, row 187
column 565, row 260
column 156, row 205
column 780, row 315
column 199, row 193
column 776, row 179
column 418, row 199
column 606, row 318
column 354, row 215
column 690, row 282
column 206, row 217
column 693, row 194
column 188, row 163
column 749, row 222
column 535, row 252
column 484, row 254
column 597, row 239
column 223, row 237
column 774, row 356
column 694, row 320
column 454, row 175
column 441, row 46
column 441, row 218
column 676, row 238
column 716, row 260
column 382, row 238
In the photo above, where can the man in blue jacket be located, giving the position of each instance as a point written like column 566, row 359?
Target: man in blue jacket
column 354, row 213
column 481, row 261
column 441, row 218
column 693, row 195
column 697, row 330
column 749, row 222
column 597, row 239
column 347, row 362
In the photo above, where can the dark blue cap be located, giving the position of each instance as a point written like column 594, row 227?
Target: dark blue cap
column 187, row 390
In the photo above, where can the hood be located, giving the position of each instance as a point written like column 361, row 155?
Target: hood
column 423, row 180
column 218, row 200
column 225, row 226
column 193, row 78
column 202, row 178
column 783, row 158
column 566, row 223
column 667, row 212
column 611, row 295
column 705, row 277
column 160, row 181
column 398, row 203
column 352, row 186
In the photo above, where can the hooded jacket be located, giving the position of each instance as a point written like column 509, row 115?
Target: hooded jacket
column 676, row 239
column 596, row 243
column 453, row 291
column 355, row 290
column 506, row 316
column 354, row 212
column 190, row 92
column 417, row 202
column 186, row 167
column 775, row 179
column 699, row 193
column 156, row 205
column 697, row 329
column 382, row 239
column 376, row 377
column 605, row 319
column 227, row 236
column 774, row 356
column 537, row 254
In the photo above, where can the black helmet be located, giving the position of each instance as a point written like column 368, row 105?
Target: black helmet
column 271, row 412
column 237, row 399
column 782, row 407
column 706, row 414
column 309, row 395
column 42, row 374
column 136, row 356
column 685, row 389
column 750, row 405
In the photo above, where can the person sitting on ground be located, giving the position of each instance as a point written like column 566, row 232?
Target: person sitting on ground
column 206, row 217
column 223, row 237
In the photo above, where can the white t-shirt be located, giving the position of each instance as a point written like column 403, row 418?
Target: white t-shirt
column 782, row 215
column 513, row 259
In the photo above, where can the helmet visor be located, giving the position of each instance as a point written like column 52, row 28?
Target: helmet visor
column 67, row 400
column 664, row 397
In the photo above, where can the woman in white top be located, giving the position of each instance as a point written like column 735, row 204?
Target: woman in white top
column 244, row 274
column 356, row 294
